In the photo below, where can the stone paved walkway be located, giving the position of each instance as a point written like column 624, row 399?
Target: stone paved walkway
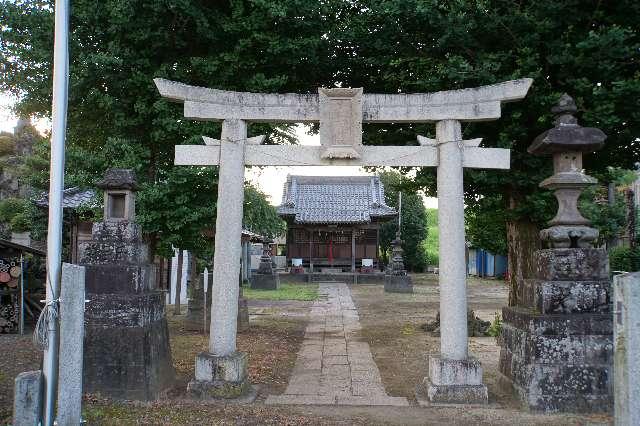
column 334, row 365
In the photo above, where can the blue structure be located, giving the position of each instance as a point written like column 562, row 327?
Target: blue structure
column 483, row 263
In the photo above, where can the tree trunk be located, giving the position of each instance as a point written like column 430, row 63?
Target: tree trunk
column 176, row 306
column 522, row 241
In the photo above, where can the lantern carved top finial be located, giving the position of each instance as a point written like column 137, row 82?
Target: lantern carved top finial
column 567, row 135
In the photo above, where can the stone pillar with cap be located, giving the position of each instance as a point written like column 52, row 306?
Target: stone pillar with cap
column 556, row 342
column 126, row 344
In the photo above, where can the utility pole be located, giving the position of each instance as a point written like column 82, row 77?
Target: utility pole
column 56, row 186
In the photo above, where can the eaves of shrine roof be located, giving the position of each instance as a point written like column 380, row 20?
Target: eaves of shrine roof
column 334, row 200
column 72, row 198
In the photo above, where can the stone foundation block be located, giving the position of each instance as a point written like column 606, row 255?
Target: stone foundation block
column 116, row 278
column 557, row 324
column 453, row 382
column 456, row 394
column 27, row 399
column 572, row 264
column 229, row 368
column 453, row 372
column 220, row 376
column 558, row 362
column 265, row 281
column 398, row 284
column 550, row 297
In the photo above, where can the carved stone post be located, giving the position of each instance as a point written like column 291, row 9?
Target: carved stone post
column 556, row 344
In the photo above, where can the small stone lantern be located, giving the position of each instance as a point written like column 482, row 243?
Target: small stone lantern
column 119, row 187
column 396, row 279
column 567, row 141
column 266, row 278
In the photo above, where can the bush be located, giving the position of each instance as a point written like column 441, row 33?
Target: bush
column 16, row 213
column 7, row 146
column 21, row 222
column 624, row 259
column 495, row 329
column 10, row 207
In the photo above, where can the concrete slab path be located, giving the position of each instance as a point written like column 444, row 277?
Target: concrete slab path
column 334, row 365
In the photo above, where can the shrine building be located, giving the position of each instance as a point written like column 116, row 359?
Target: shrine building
column 333, row 222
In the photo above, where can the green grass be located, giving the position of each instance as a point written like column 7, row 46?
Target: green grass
column 430, row 244
column 306, row 292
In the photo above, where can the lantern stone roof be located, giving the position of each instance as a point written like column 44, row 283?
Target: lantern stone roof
column 72, row 198
column 567, row 135
column 334, row 199
column 118, row 179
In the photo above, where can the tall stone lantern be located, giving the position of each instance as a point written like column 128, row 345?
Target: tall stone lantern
column 567, row 142
column 556, row 343
column 126, row 344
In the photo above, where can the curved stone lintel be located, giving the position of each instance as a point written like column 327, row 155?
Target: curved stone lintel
column 474, row 104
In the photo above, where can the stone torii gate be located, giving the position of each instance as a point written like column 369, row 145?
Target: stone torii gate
column 454, row 376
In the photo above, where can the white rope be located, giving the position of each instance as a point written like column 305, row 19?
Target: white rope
column 49, row 313
column 41, row 333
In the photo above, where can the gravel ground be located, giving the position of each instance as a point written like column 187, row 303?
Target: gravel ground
column 391, row 325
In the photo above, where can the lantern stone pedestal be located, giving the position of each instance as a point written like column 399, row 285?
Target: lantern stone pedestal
column 556, row 342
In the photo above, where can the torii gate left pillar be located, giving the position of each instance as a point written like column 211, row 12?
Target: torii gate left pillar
column 454, row 377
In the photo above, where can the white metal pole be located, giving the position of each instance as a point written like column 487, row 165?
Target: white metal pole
column 399, row 213
column 56, row 185
column 206, row 287
column 21, row 294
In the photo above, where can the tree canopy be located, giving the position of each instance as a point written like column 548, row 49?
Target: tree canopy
column 586, row 48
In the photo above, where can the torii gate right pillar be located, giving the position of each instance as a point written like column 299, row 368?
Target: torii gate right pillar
column 454, row 376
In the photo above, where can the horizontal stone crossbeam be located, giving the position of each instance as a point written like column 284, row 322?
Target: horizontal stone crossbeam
column 475, row 104
column 296, row 155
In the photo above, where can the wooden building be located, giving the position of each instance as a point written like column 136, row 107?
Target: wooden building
column 334, row 221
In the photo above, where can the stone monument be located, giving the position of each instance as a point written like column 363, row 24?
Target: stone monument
column 556, row 343
column 266, row 278
column 396, row 279
column 126, row 346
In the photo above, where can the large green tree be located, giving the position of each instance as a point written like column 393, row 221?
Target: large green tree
column 117, row 118
column 588, row 48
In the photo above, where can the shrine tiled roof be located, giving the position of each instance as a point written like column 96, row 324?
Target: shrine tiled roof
column 72, row 198
column 334, row 199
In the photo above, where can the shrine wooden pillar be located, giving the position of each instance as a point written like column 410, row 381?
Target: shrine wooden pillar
column 353, row 249
column 311, row 250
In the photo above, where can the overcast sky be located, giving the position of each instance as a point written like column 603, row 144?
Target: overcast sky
column 269, row 179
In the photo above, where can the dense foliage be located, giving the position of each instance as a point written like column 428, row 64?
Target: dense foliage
column 624, row 259
column 587, row 48
column 414, row 222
